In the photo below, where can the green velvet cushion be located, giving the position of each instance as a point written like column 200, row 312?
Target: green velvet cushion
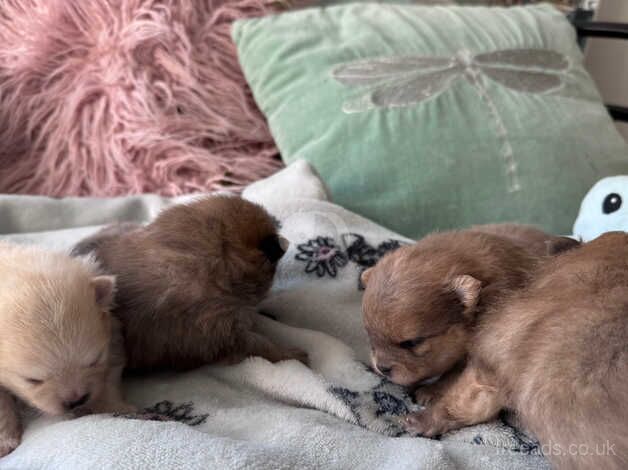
column 426, row 118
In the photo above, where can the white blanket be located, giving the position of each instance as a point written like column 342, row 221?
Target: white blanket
column 334, row 414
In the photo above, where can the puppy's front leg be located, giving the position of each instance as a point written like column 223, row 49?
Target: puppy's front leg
column 426, row 394
column 110, row 399
column 473, row 398
column 10, row 426
column 255, row 344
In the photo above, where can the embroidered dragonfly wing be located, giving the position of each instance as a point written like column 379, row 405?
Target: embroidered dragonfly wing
column 397, row 82
column 416, row 89
column 374, row 71
column 541, row 59
column 408, row 80
column 524, row 70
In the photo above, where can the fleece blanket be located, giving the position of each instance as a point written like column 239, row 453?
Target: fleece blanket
column 334, row 413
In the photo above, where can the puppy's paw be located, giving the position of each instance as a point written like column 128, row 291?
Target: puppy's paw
column 9, row 442
column 425, row 395
column 423, row 423
column 296, row 353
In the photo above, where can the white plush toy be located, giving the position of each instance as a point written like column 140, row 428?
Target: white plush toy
column 603, row 209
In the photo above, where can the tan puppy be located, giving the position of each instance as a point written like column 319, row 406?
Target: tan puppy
column 421, row 301
column 533, row 240
column 189, row 283
column 56, row 348
column 557, row 353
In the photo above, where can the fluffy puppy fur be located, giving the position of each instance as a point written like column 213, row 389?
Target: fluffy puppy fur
column 189, row 283
column 56, row 348
column 564, row 337
column 528, row 237
column 421, row 301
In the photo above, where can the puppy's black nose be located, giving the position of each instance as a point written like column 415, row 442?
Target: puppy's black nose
column 70, row 405
column 385, row 370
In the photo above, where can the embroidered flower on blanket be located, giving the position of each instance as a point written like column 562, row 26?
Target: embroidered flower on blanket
column 322, row 256
column 168, row 411
column 377, row 409
column 364, row 254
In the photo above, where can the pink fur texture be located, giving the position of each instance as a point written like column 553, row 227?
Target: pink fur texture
column 110, row 97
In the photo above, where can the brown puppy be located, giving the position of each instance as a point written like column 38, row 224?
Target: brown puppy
column 427, row 295
column 430, row 294
column 189, row 282
column 557, row 353
column 56, row 348
column 530, row 238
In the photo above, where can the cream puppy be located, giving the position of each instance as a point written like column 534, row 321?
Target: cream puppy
column 60, row 349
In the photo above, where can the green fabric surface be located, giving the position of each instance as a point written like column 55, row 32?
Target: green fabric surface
column 422, row 136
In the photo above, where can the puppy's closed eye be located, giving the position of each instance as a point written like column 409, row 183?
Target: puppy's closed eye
column 34, row 381
column 98, row 359
column 411, row 343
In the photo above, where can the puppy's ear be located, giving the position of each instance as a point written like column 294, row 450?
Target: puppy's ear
column 561, row 244
column 104, row 290
column 283, row 243
column 364, row 277
column 467, row 288
column 274, row 247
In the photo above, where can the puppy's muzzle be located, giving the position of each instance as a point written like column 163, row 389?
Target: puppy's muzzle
column 70, row 405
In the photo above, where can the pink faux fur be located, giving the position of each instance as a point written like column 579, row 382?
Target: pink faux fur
column 110, row 97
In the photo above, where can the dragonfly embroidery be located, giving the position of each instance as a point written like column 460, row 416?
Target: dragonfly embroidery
column 408, row 80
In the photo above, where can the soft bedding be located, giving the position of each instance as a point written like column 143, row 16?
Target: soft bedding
column 334, row 414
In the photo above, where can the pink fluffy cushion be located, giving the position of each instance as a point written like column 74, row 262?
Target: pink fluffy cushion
column 113, row 97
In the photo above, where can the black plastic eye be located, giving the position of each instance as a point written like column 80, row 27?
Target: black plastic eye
column 611, row 203
column 411, row 343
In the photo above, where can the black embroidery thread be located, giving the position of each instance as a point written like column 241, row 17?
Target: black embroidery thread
column 181, row 413
column 322, row 256
column 359, row 251
column 364, row 254
column 383, row 403
column 167, row 411
column 389, row 404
